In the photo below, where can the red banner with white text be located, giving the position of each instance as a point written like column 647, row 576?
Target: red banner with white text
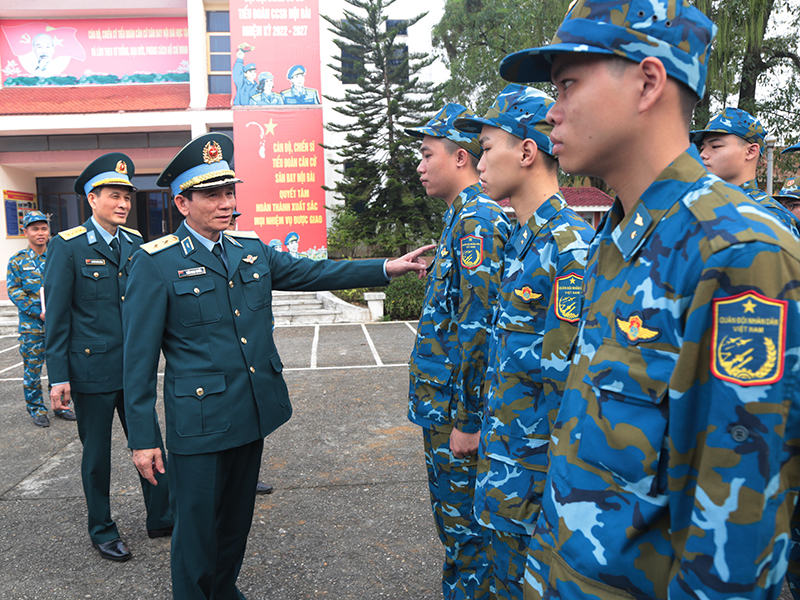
column 94, row 51
column 277, row 123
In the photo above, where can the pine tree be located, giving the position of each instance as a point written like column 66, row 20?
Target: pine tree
column 379, row 184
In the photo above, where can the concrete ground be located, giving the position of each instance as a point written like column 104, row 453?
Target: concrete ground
column 349, row 519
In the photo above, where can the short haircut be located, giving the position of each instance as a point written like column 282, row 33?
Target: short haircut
column 452, row 148
column 688, row 97
column 550, row 163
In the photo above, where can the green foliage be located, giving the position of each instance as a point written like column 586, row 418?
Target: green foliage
column 754, row 63
column 474, row 35
column 353, row 296
column 384, row 205
column 404, row 298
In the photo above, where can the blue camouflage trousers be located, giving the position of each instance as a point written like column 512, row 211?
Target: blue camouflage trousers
column 31, row 348
column 508, row 553
column 466, row 574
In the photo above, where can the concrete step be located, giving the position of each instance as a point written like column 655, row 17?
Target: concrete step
column 317, row 317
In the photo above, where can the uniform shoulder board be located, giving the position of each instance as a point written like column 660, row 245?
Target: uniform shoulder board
column 160, row 244
column 243, row 234
column 129, row 230
column 73, row 233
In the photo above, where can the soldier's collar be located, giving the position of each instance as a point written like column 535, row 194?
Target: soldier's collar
column 540, row 217
column 672, row 184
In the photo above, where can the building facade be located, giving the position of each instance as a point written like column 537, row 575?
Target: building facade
column 141, row 79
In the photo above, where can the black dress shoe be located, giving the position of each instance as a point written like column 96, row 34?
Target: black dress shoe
column 41, row 421
column 157, row 533
column 67, row 415
column 263, row 488
column 114, row 550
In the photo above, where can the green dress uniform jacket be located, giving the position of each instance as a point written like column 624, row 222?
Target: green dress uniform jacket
column 223, row 386
column 84, row 287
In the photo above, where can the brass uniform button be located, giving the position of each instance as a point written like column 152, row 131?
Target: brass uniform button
column 237, row 313
column 244, row 340
column 196, row 290
column 230, row 284
column 123, row 298
column 87, row 351
column 95, row 274
column 255, row 275
column 252, row 369
column 199, row 391
column 120, row 274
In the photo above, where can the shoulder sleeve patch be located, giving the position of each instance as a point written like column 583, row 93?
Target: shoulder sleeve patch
column 73, row 233
column 243, row 234
column 160, row 244
column 471, row 251
column 129, row 230
column 567, row 292
column 748, row 339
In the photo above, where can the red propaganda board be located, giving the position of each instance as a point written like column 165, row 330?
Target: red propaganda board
column 277, row 122
column 282, row 165
column 94, row 51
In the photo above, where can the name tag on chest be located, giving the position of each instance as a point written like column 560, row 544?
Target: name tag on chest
column 192, row 272
column 95, row 261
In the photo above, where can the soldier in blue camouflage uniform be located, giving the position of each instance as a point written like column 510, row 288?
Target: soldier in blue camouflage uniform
column 789, row 196
column 674, row 463
column 448, row 363
column 534, row 324
column 23, row 282
column 731, row 146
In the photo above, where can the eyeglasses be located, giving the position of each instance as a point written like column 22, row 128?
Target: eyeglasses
column 790, row 206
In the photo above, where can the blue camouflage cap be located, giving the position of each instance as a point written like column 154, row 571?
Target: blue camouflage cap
column 442, row 126
column 33, row 216
column 790, row 189
column 673, row 31
column 520, row 110
column 737, row 122
column 795, row 148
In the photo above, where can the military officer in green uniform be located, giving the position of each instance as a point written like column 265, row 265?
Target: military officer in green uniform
column 85, row 285
column 204, row 298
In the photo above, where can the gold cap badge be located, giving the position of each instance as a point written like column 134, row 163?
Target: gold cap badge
column 212, row 153
column 122, row 167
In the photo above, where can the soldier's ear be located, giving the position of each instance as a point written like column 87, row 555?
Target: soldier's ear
column 462, row 158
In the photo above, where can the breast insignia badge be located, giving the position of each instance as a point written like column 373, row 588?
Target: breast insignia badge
column 635, row 331
column 527, row 294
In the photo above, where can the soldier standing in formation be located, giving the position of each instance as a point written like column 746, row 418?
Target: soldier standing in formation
column 204, row 298
column 534, row 324
column 449, row 360
column 673, row 469
column 85, row 286
column 731, row 146
column 24, row 284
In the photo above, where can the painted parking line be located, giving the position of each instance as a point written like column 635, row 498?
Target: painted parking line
column 371, row 345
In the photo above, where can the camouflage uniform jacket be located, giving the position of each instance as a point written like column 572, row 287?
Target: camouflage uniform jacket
column 756, row 193
column 674, row 462
column 23, row 281
column 534, row 324
column 449, row 358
